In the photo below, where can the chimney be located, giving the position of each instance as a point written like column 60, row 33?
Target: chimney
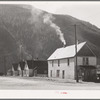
column 77, row 42
column 37, row 58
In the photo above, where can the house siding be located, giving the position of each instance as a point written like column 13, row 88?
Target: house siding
column 92, row 61
column 63, row 66
column 69, row 71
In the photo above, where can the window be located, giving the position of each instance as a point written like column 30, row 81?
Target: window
column 51, row 73
column 85, row 61
column 52, row 63
column 58, row 62
column 58, row 72
column 63, row 74
column 68, row 62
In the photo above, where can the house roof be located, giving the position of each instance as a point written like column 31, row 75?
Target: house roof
column 40, row 64
column 66, row 52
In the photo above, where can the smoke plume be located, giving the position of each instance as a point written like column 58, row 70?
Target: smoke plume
column 36, row 15
column 48, row 18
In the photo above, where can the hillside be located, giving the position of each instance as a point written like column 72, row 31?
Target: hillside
column 24, row 25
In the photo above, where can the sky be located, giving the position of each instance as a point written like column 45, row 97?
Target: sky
column 87, row 11
column 84, row 10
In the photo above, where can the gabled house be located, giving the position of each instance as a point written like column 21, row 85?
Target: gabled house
column 19, row 69
column 15, row 69
column 62, row 63
column 30, row 68
column 24, row 68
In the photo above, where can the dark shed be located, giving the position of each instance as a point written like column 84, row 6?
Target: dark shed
column 39, row 65
column 30, row 64
column 89, row 72
column 42, row 67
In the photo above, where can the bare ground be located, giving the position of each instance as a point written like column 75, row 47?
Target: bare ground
column 35, row 83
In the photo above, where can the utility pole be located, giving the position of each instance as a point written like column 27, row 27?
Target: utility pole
column 76, row 71
column 5, row 65
column 21, row 57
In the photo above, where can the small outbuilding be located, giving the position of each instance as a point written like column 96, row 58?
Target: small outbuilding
column 37, row 67
column 22, row 65
column 14, row 71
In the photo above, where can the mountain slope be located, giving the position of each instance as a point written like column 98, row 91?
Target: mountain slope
column 24, row 25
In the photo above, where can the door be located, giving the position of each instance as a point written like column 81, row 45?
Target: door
column 58, row 73
column 51, row 73
column 63, row 74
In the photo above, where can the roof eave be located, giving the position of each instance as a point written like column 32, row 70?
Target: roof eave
column 60, row 58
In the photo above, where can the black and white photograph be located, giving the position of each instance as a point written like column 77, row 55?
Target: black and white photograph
column 50, row 45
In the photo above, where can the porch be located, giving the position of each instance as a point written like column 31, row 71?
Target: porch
column 87, row 73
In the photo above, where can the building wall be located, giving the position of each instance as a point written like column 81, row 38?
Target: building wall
column 87, row 72
column 92, row 60
column 69, row 69
column 31, row 72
